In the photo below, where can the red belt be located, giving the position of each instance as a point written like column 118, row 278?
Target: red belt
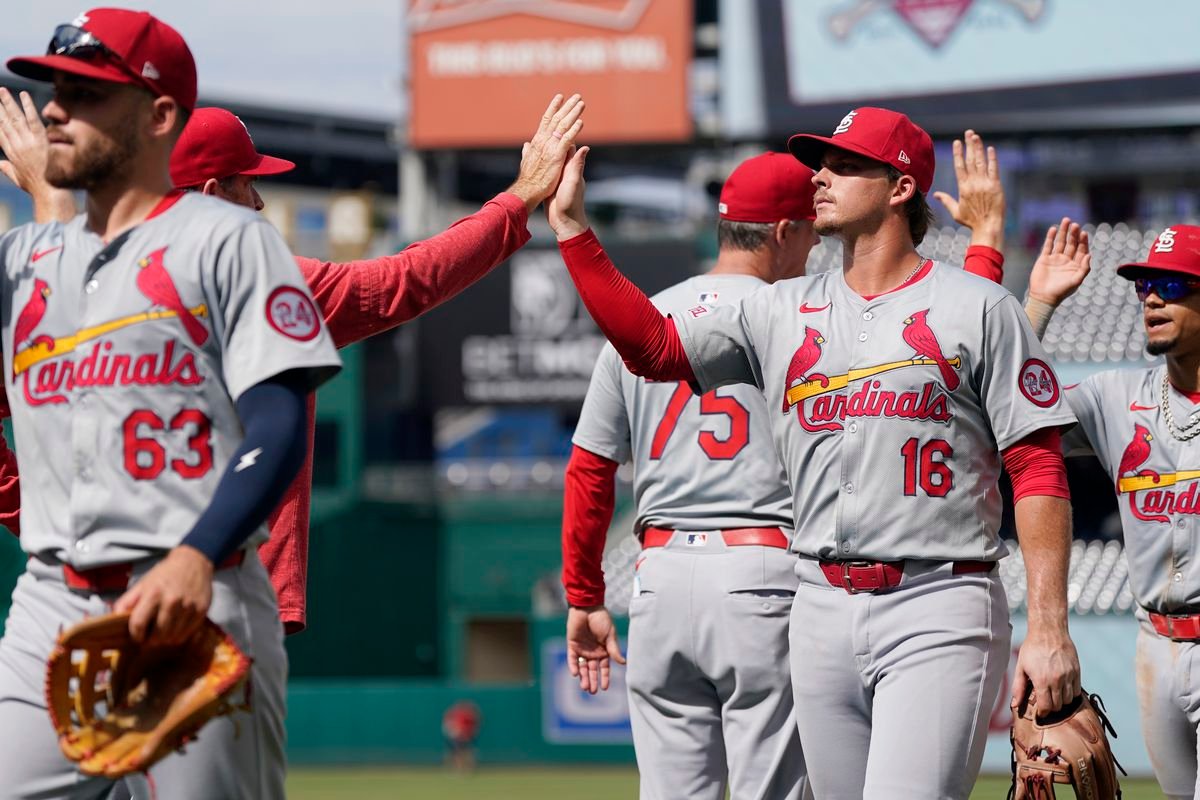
column 1180, row 627
column 734, row 537
column 115, row 577
column 871, row 576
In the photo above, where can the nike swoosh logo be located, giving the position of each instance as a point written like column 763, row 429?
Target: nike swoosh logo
column 805, row 308
column 1136, row 407
column 39, row 254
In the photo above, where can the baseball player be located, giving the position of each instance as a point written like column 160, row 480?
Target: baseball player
column 216, row 156
column 159, row 348
column 713, row 509
column 898, row 388
column 1142, row 425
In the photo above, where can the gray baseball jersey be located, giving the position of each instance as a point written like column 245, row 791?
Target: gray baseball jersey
column 1156, row 477
column 710, row 698
column 122, row 378
column 123, row 364
column 701, row 463
column 889, row 414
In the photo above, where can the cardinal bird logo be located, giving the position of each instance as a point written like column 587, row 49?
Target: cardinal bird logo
column 155, row 283
column 805, row 358
column 918, row 335
column 31, row 316
column 1136, row 453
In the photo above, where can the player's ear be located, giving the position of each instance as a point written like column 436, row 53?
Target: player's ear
column 211, row 187
column 782, row 230
column 903, row 189
column 167, row 118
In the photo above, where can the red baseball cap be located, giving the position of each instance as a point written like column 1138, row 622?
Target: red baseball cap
column 121, row 46
column 216, row 144
column 1177, row 249
column 876, row 133
column 768, row 188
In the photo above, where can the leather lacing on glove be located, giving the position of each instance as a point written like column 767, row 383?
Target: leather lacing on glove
column 119, row 707
column 1067, row 748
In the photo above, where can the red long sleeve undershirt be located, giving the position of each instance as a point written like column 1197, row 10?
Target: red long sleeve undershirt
column 588, row 501
column 1035, row 466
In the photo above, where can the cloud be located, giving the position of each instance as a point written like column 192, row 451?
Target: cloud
column 340, row 57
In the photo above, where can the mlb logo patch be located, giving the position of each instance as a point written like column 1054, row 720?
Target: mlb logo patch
column 696, row 539
column 708, row 298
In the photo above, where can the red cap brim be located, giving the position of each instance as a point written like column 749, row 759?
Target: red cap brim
column 809, row 149
column 42, row 68
column 270, row 165
column 1136, row 269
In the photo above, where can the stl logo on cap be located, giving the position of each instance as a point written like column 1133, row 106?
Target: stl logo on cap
column 1166, row 241
column 845, row 124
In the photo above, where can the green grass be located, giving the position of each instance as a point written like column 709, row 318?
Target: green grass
column 530, row 783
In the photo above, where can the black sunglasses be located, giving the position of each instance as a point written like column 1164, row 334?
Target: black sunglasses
column 75, row 42
column 1169, row 289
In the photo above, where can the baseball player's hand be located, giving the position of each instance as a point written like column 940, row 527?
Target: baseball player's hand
column 565, row 211
column 1064, row 262
column 1049, row 666
column 543, row 156
column 170, row 600
column 23, row 140
column 980, row 203
column 591, row 643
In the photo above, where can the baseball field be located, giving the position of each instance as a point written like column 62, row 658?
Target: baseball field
column 530, row 783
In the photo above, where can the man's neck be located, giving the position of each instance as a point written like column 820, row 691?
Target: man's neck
column 1184, row 372
column 117, row 207
column 756, row 263
column 878, row 262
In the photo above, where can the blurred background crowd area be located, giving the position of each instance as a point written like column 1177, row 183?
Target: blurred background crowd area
column 441, row 447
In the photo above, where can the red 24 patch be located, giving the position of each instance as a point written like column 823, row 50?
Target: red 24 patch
column 291, row 313
column 1038, row 383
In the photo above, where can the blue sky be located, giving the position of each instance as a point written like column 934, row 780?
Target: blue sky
column 340, row 56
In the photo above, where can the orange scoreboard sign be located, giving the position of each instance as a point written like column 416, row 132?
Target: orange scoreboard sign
column 482, row 71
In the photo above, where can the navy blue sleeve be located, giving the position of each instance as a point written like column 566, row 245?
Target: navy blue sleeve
column 273, row 415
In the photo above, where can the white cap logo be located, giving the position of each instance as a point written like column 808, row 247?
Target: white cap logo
column 1166, row 241
column 904, row 157
column 149, row 71
column 845, row 124
column 722, row 208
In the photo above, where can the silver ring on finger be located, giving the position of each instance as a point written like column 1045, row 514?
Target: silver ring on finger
column 582, row 661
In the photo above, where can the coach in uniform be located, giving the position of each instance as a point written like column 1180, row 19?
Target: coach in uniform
column 897, row 388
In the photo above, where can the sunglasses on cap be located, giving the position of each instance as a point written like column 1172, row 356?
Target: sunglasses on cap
column 75, row 42
column 1169, row 289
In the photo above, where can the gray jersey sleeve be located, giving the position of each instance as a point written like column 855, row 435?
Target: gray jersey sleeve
column 720, row 344
column 1019, row 390
column 268, row 321
column 1084, row 400
column 604, row 421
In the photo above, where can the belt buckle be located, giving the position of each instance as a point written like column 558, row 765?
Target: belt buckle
column 847, row 584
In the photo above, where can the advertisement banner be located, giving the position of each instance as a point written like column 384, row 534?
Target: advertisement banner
column 481, row 70
column 522, row 335
column 992, row 64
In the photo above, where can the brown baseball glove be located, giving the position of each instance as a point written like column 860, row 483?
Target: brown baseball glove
column 119, row 706
column 1066, row 749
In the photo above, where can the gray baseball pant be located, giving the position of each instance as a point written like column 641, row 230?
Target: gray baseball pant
column 237, row 757
column 1168, row 685
column 710, row 696
column 894, row 689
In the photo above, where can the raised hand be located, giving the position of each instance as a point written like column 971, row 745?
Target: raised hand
column 591, row 646
column 1064, row 262
column 566, row 210
column 980, row 202
column 23, row 140
column 543, row 156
